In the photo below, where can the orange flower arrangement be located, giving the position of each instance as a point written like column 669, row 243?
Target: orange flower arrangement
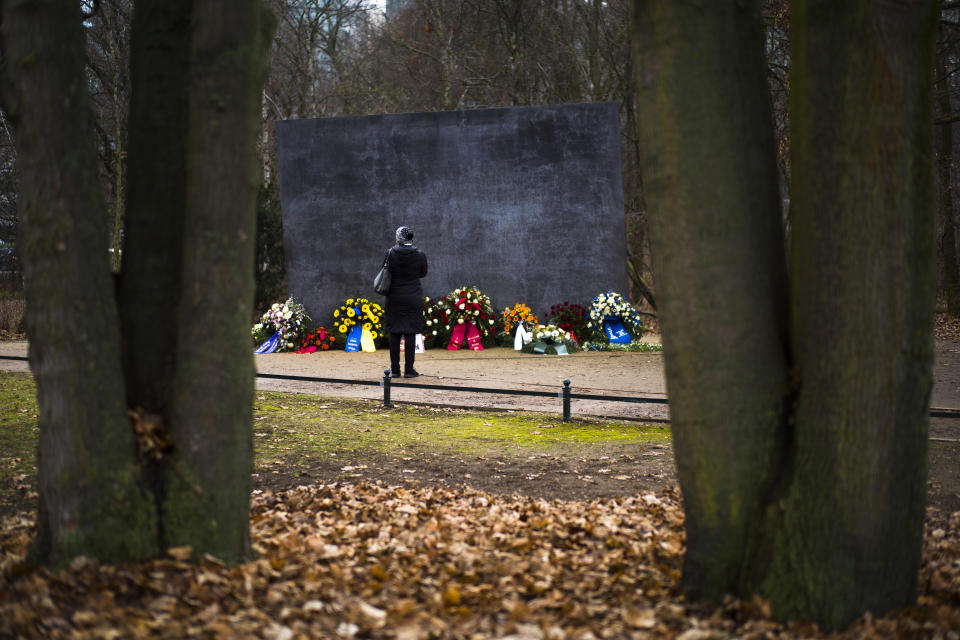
column 317, row 340
column 518, row 313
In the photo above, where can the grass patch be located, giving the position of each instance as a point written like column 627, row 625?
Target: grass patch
column 18, row 439
column 285, row 424
column 297, row 426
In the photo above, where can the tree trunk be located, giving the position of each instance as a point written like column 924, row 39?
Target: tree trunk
column 948, row 234
column 120, row 152
column 801, row 457
column 187, row 290
column 149, row 286
column 86, row 465
column 709, row 168
column 848, row 526
column 212, row 403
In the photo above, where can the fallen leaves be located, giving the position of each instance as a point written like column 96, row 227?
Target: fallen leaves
column 946, row 327
column 180, row 553
column 371, row 561
column 153, row 439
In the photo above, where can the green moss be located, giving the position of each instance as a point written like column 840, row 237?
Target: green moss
column 183, row 513
column 120, row 506
column 190, row 519
column 290, row 424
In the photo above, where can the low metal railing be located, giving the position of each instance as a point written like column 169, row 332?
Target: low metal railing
column 565, row 392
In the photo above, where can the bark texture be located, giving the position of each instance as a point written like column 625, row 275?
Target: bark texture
column 709, row 166
column 181, row 351
column 801, row 452
column 212, row 404
column 149, row 284
column 850, row 522
column 86, row 465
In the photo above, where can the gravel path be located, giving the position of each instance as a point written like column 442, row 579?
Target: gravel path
column 615, row 374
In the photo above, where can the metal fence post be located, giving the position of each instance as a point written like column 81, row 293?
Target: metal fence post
column 566, row 400
column 386, row 388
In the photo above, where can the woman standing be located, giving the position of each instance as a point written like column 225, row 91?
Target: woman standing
column 404, row 316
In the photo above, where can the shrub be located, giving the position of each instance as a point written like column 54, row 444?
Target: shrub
column 12, row 313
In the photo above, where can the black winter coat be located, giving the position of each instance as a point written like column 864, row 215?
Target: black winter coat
column 405, row 300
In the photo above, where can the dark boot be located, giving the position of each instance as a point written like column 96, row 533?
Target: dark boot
column 409, row 353
column 395, row 339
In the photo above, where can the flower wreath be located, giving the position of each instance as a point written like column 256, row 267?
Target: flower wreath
column 358, row 311
column 458, row 307
column 516, row 314
column 613, row 305
column 317, row 340
column 549, row 337
column 436, row 331
column 289, row 319
column 550, row 333
column 571, row 318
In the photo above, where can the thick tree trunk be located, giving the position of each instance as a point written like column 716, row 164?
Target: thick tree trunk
column 187, row 290
column 710, row 173
column 948, row 234
column 90, row 501
column 849, row 524
column 150, row 284
column 820, row 507
column 211, row 413
column 149, row 287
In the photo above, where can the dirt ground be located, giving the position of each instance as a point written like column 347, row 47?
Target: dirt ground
column 585, row 473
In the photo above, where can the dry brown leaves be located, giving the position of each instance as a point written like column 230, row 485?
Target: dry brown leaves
column 370, row 561
column 946, row 327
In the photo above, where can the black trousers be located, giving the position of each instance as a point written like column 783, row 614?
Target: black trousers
column 409, row 351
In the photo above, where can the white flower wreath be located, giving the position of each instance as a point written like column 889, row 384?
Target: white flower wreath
column 613, row 305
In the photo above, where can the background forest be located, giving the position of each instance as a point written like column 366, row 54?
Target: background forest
column 349, row 57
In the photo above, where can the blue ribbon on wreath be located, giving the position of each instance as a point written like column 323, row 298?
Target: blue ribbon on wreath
column 270, row 344
column 616, row 333
column 353, row 338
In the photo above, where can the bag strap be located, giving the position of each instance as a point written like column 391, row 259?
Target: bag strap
column 386, row 257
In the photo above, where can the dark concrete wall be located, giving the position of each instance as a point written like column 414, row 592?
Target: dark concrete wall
column 525, row 203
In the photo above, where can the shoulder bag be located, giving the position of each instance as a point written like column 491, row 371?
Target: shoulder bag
column 381, row 282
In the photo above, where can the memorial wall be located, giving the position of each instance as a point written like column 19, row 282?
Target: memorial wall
column 525, row 203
